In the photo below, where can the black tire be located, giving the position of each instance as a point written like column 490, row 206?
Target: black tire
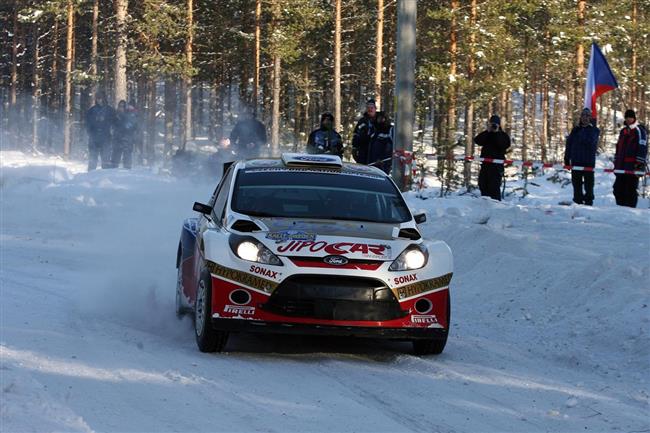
column 180, row 310
column 433, row 347
column 207, row 338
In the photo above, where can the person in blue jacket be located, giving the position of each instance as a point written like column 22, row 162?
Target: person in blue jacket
column 580, row 150
column 380, row 149
column 325, row 139
column 100, row 123
column 124, row 134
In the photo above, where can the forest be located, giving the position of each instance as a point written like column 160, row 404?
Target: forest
column 191, row 66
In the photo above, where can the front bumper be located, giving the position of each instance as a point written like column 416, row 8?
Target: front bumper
column 311, row 313
column 244, row 325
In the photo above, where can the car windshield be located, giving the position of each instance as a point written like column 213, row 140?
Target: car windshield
column 290, row 193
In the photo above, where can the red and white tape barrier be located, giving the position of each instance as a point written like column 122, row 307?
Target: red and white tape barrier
column 406, row 157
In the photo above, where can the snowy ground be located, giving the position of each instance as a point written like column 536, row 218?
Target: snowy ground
column 550, row 320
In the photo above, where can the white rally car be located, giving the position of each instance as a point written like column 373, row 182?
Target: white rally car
column 310, row 245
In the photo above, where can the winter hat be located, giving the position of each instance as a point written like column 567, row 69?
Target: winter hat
column 586, row 111
column 495, row 119
column 630, row 113
column 327, row 115
column 371, row 101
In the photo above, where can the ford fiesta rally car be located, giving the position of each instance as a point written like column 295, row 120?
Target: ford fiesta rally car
column 307, row 244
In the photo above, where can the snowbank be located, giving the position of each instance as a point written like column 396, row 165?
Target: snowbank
column 550, row 320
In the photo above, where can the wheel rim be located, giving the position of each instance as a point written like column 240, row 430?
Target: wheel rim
column 199, row 320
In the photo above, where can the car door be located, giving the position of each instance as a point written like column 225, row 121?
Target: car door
column 217, row 202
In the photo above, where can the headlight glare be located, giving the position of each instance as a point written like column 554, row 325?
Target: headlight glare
column 248, row 251
column 413, row 257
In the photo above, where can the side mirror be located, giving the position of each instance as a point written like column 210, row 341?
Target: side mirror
column 202, row 208
column 420, row 218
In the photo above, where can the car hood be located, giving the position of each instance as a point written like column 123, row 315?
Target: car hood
column 320, row 238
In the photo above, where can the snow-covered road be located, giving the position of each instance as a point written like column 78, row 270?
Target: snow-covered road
column 550, row 321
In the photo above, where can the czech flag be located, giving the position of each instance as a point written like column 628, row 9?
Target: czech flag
column 600, row 79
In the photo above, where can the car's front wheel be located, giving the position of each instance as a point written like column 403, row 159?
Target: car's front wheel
column 431, row 346
column 180, row 309
column 207, row 338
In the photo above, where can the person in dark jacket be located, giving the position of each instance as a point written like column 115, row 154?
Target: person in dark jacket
column 363, row 132
column 325, row 139
column 494, row 142
column 124, row 135
column 248, row 135
column 99, row 121
column 580, row 150
column 380, row 149
column 631, row 153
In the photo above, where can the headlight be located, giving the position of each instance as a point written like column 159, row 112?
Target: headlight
column 248, row 248
column 414, row 257
column 248, row 251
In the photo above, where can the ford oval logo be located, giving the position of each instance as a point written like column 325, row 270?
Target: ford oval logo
column 336, row 260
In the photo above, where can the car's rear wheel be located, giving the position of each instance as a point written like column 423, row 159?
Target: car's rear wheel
column 431, row 346
column 207, row 338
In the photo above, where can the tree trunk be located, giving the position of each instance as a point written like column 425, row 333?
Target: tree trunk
column 258, row 34
column 469, row 112
column 187, row 115
column 149, row 152
column 121, row 7
column 36, row 89
column 170, row 111
column 337, row 67
column 643, row 89
column 580, row 55
column 93, row 55
column 533, row 114
column 633, row 96
column 277, row 71
column 53, row 91
column 14, row 61
column 275, row 119
column 557, row 130
column 503, row 109
column 451, row 107
column 67, row 131
column 524, row 126
column 307, row 96
column 379, row 45
column 544, row 135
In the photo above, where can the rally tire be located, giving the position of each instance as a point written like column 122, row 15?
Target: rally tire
column 180, row 309
column 208, row 339
column 431, row 346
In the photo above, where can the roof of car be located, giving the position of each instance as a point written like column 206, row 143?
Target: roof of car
column 278, row 164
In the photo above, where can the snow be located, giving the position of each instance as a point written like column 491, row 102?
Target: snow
column 549, row 320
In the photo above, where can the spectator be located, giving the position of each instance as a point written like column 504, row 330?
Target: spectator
column 494, row 142
column 100, row 120
column 363, row 133
column 248, row 135
column 580, row 150
column 631, row 152
column 124, row 135
column 381, row 143
column 325, row 139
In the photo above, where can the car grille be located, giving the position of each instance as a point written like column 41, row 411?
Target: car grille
column 334, row 298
